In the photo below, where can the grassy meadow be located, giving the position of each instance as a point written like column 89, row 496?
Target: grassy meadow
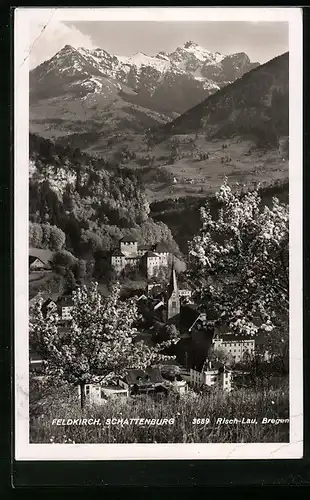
column 240, row 161
column 241, row 403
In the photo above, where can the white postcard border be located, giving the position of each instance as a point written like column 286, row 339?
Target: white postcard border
column 23, row 449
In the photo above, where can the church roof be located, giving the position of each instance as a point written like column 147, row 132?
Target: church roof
column 173, row 284
column 188, row 316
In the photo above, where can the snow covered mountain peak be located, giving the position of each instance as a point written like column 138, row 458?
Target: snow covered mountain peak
column 194, row 51
column 189, row 44
column 186, row 76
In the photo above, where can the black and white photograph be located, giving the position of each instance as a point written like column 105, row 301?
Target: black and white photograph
column 158, row 233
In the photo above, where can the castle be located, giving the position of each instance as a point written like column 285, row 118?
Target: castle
column 148, row 260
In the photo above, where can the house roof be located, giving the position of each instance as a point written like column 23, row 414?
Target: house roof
column 235, row 338
column 188, row 315
column 160, row 248
column 47, row 303
column 33, row 356
column 47, row 298
column 140, row 377
column 32, row 259
column 117, row 253
column 44, row 255
column 155, row 375
column 65, row 300
column 51, row 296
column 158, row 304
column 150, row 254
column 157, row 290
column 142, row 297
column 128, row 239
column 202, row 365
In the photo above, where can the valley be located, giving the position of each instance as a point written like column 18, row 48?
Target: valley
column 110, row 118
column 86, row 97
column 200, row 166
column 116, row 108
column 159, row 288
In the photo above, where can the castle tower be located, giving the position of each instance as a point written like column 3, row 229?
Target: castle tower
column 173, row 306
column 128, row 246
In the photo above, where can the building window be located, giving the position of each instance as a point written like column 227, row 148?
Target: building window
column 174, row 304
column 87, row 390
column 102, row 394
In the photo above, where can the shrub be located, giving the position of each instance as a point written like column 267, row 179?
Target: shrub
column 63, row 258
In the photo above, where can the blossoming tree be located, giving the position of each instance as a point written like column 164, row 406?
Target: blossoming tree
column 239, row 262
column 99, row 344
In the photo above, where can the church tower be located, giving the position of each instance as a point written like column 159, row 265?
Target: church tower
column 173, row 306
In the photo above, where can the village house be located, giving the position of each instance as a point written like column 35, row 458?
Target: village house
column 49, row 306
column 166, row 308
column 148, row 260
column 179, row 386
column 65, row 306
column 36, row 264
column 54, row 302
column 237, row 347
column 134, row 383
column 185, row 292
column 212, row 375
column 99, row 394
column 143, row 381
column 40, row 259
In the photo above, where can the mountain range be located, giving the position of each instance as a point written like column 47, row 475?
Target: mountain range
column 256, row 104
column 83, row 96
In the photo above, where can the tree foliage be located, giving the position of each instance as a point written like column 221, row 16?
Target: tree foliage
column 46, row 236
column 92, row 203
column 239, row 262
column 100, row 343
column 64, row 259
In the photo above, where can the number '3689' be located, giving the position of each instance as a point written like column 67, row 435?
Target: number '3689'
column 200, row 421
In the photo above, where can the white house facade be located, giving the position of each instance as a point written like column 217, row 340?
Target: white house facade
column 237, row 347
column 210, row 378
column 150, row 260
column 99, row 394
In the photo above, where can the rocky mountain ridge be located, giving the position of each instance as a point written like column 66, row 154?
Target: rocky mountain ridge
column 257, row 104
column 190, row 66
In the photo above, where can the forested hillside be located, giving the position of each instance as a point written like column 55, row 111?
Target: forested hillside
column 255, row 106
column 91, row 202
column 183, row 215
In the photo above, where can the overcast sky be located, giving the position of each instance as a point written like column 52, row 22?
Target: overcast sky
column 260, row 40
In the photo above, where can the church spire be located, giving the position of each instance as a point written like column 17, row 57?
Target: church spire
column 173, row 284
column 173, row 295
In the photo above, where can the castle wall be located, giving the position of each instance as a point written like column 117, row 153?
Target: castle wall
column 129, row 248
column 135, row 257
column 119, row 263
